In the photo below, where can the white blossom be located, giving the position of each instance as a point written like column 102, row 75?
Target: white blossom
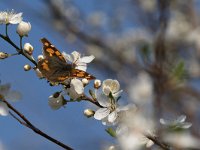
column 110, row 108
column 8, row 93
column 56, row 101
column 76, row 59
column 178, row 123
column 23, row 28
column 10, row 17
column 76, row 88
column 141, row 89
column 4, row 110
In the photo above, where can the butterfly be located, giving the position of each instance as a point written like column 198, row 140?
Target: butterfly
column 54, row 66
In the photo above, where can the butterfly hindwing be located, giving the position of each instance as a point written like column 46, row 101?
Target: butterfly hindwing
column 81, row 74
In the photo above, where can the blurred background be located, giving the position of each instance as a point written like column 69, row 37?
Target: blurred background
column 152, row 47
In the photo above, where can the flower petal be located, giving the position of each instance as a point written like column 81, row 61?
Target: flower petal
column 4, row 110
column 112, row 117
column 181, row 118
column 117, row 94
column 101, row 113
column 112, row 84
column 76, row 56
column 87, row 59
column 103, row 100
column 67, row 57
column 186, row 125
column 16, row 18
column 77, row 85
column 126, row 107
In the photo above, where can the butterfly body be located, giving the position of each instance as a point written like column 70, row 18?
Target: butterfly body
column 54, row 66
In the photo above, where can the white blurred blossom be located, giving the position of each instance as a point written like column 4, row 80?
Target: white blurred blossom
column 76, row 59
column 178, row 27
column 75, row 89
column 178, row 123
column 182, row 140
column 23, row 28
column 131, row 128
column 10, row 17
column 141, row 89
column 97, row 19
column 5, row 90
column 148, row 5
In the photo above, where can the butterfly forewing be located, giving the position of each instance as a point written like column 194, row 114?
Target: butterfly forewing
column 50, row 51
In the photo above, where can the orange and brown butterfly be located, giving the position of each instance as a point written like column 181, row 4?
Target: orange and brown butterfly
column 54, row 66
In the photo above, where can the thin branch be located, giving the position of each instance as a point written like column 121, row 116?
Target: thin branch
column 28, row 124
column 19, row 50
column 157, row 142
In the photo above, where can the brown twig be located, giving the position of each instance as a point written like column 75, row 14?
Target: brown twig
column 157, row 142
column 19, row 50
column 28, row 124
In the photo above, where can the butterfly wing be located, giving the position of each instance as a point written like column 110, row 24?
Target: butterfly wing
column 50, row 51
column 54, row 66
column 81, row 74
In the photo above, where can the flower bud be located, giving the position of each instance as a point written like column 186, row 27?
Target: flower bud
column 89, row 113
column 40, row 57
column 97, row 84
column 28, row 48
column 23, row 28
column 85, row 81
column 27, row 67
column 3, row 55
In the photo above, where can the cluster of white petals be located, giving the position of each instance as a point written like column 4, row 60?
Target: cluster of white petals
column 10, row 17
column 108, row 99
column 78, row 61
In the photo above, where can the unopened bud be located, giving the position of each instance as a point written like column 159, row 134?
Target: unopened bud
column 3, row 55
column 89, row 113
column 40, row 57
column 85, row 81
column 28, row 48
column 23, row 28
column 27, row 67
column 97, row 84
